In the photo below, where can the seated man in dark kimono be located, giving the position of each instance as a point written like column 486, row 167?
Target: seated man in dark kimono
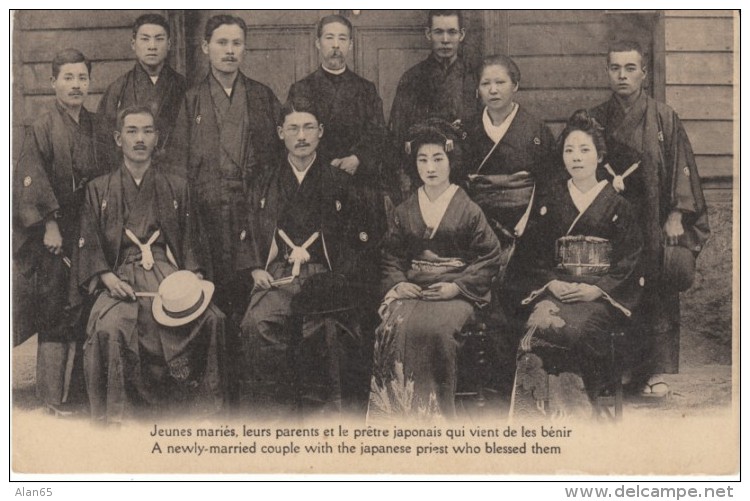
column 136, row 231
column 305, row 231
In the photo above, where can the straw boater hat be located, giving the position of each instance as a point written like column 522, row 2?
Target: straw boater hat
column 182, row 298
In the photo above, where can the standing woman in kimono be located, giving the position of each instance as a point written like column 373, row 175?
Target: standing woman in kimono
column 510, row 156
column 438, row 265
column 509, row 150
column 579, row 263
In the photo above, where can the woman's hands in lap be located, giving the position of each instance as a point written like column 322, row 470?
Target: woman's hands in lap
column 574, row 292
column 441, row 291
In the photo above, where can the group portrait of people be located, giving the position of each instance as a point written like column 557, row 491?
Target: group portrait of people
column 213, row 251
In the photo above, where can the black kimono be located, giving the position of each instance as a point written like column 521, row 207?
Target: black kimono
column 574, row 337
column 56, row 161
column 330, row 361
column 351, row 111
column 430, row 89
column 136, row 88
column 129, row 359
column 416, row 344
column 667, row 180
column 221, row 144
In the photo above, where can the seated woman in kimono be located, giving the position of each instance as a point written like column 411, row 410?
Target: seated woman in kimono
column 438, row 265
column 579, row 266
column 145, row 350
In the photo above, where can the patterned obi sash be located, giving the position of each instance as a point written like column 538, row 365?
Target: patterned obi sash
column 583, row 255
column 503, row 198
column 438, row 265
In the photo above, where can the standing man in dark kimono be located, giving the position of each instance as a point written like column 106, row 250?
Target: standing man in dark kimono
column 136, row 231
column 225, row 133
column 306, row 251
column 444, row 85
column 151, row 82
column 352, row 113
column 667, row 193
column 56, row 161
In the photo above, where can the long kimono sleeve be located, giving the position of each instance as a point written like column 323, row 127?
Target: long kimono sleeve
column 548, row 171
column 106, row 122
column 89, row 258
column 687, row 193
column 620, row 283
column 193, row 260
column 34, row 197
column 477, row 278
column 178, row 148
column 394, row 260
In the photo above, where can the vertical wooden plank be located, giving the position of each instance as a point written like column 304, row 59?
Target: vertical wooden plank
column 658, row 59
column 495, row 32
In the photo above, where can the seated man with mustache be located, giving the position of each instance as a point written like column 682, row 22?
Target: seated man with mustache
column 306, row 226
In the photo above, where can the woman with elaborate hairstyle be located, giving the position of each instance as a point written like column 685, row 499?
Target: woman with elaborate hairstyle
column 579, row 266
column 439, row 262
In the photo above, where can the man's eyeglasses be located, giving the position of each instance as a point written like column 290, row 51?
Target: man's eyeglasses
column 452, row 33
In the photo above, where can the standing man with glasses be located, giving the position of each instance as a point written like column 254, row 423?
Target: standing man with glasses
column 443, row 85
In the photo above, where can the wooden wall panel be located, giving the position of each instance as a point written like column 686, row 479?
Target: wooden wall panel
column 696, row 34
column 555, row 16
column 558, row 105
column 714, row 137
column 558, row 39
column 714, row 165
column 96, row 44
column 572, row 72
column 697, row 102
column 699, row 68
column 78, row 19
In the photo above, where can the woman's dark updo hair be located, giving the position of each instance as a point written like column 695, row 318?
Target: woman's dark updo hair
column 500, row 60
column 581, row 120
column 440, row 132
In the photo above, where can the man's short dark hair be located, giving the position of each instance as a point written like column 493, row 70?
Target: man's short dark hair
column 68, row 56
column 627, row 46
column 334, row 18
column 134, row 110
column 220, row 20
column 445, row 13
column 297, row 105
column 156, row 19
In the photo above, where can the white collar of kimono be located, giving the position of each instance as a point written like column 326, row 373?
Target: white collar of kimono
column 497, row 132
column 433, row 211
column 300, row 175
column 582, row 200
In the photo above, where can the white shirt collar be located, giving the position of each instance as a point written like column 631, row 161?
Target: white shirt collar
column 434, row 210
column 497, row 132
column 583, row 200
column 300, row 175
column 334, row 72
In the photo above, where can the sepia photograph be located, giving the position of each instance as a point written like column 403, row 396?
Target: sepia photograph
column 455, row 242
